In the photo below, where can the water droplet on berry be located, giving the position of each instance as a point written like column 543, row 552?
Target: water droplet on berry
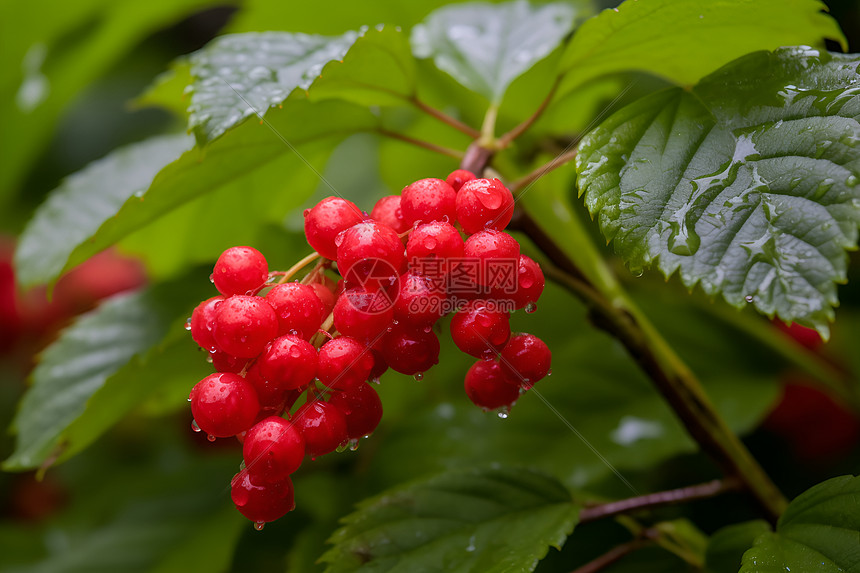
column 210, row 437
column 489, row 198
column 549, row 372
column 637, row 272
column 353, row 445
column 194, row 425
column 187, row 324
column 531, row 307
column 504, row 413
column 242, row 465
column 209, row 358
column 419, row 376
column 212, row 278
column 488, row 355
column 749, row 298
column 259, row 525
column 428, row 328
column 446, row 219
column 313, row 458
column 295, row 351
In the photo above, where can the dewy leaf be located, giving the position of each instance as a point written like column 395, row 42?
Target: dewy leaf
column 377, row 70
column 77, row 208
column 168, row 90
column 820, row 531
column 683, row 40
column 235, row 159
column 487, row 46
column 238, row 75
column 748, row 185
column 488, row 520
column 82, row 362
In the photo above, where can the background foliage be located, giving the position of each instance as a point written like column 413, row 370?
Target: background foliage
column 96, row 112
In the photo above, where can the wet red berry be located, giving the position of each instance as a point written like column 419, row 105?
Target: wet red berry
column 298, row 307
column 486, row 387
column 326, row 220
column 387, row 211
column 484, row 204
column 224, row 404
column 240, row 270
column 410, row 349
column 479, row 330
column 361, row 407
column 273, row 449
column 323, row 427
column 457, row 178
column 525, row 360
column 428, row 200
column 244, row 325
column 259, row 501
column 288, row 363
column 202, row 322
column 344, row 363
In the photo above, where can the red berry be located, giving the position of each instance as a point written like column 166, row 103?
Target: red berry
column 323, row 427
column 363, row 315
column 259, row 501
column 244, row 325
column 288, row 363
column 369, row 251
column 224, row 404
column 361, row 407
column 433, row 249
column 223, row 362
column 202, row 322
column 486, row 387
column 484, row 204
column 803, row 335
column 344, row 363
column 240, row 270
column 326, row 220
column 428, row 200
column 387, row 211
column 421, row 300
column 410, row 350
column 528, row 287
column 480, row 331
column 458, row 177
column 326, row 296
column 300, row 311
column 270, row 394
column 380, row 367
column 492, row 248
column 525, row 360
column 273, row 449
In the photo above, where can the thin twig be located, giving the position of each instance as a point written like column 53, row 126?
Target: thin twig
column 645, row 538
column 445, row 118
column 517, row 131
column 298, row 266
column 421, row 143
column 659, row 499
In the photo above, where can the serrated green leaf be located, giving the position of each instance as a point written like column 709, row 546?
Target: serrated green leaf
column 236, row 160
column 98, row 370
column 377, row 70
column 683, row 40
column 748, row 185
column 726, row 546
column 239, row 75
column 487, row 46
column 820, row 531
column 79, row 206
column 488, row 520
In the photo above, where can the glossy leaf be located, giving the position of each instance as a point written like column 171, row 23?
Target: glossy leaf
column 748, row 185
column 75, row 210
column 684, row 40
column 99, row 369
column 818, row 532
column 240, row 75
column 487, row 46
column 168, row 90
column 243, row 157
column 489, row 520
column 726, row 546
column 377, row 70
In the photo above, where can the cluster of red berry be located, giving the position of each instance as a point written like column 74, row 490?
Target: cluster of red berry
column 272, row 340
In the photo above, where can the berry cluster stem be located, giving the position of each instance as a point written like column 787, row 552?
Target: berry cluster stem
column 291, row 272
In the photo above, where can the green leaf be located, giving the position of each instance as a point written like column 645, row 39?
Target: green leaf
column 244, row 157
column 818, row 532
column 168, row 90
column 726, row 546
column 377, row 70
column 489, row 520
column 240, row 75
column 47, row 61
column 99, row 369
column 748, row 185
column 683, row 40
column 487, row 46
column 78, row 207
